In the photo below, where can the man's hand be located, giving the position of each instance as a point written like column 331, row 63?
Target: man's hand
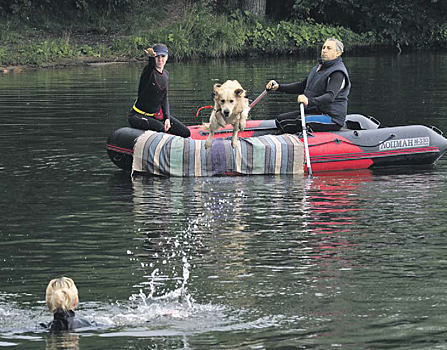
column 150, row 52
column 303, row 99
column 272, row 85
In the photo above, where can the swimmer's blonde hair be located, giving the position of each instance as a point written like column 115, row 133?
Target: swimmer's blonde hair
column 61, row 294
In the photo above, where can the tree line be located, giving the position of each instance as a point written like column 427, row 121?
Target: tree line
column 414, row 23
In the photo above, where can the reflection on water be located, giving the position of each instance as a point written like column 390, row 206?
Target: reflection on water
column 54, row 341
column 351, row 259
column 334, row 201
column 208, row 259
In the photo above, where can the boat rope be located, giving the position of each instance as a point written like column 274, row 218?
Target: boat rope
column 338, row 141
column 198, row 111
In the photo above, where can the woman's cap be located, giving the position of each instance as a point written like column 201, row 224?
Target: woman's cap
column 160, row 50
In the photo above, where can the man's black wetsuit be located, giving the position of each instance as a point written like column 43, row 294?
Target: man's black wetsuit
column 327, row 88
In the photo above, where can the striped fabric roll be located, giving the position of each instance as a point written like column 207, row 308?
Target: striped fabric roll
column 168, row 155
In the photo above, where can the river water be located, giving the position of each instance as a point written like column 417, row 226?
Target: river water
column 350, row 260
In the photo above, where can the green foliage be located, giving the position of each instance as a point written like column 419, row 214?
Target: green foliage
column 27, row 9
column 205, row 30
column 45, row 51
column 86, row 50
column 407, row 22
column 414, row 23
column 291, row 37
column 134, row 46
column 3, row 55
column 200, row 33
column 441, row 36
column 203, row 34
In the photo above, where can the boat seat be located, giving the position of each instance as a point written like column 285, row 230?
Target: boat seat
column 360, row 122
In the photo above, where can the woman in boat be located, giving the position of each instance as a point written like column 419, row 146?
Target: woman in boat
column 324, row 93
column 62, row 298
column 151, row 109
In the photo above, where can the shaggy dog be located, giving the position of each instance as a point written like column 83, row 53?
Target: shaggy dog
column 230, row 107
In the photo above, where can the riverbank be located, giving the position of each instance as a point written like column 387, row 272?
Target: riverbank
column 86, row 61
column 54, row 50
column 72, row 33
column 58, row 50
column 191, row 32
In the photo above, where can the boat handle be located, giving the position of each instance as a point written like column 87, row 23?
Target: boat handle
column 439, row 131
column 374, row 120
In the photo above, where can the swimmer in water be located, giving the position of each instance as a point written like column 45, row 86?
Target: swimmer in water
column 62, row 298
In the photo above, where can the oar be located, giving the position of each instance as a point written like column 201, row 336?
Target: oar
column 306, row 145
column 259, row 98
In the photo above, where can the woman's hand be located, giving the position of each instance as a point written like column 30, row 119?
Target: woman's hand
column 167, row 124
column 150, row 52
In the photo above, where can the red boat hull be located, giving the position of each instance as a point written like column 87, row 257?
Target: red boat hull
column 347, row 149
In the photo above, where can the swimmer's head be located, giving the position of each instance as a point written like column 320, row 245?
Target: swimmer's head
column 61, row 294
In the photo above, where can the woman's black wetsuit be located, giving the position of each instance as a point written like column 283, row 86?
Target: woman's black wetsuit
column 66, row 321
column 151, row 109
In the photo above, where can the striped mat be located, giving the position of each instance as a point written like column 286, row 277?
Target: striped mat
column 168, row 155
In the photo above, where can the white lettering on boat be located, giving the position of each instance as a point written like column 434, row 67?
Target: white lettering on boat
column 405, row 143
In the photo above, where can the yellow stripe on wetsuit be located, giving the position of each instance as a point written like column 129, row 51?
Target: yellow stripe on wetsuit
column 141, row 112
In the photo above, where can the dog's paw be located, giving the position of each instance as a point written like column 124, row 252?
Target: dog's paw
column 208, row 143
column 235, row 142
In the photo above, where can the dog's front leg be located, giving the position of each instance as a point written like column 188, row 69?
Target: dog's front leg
column 212, row 127
column 209, row 140
column 234, row 139
column 243, row 121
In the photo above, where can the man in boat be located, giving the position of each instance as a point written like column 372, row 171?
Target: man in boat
column 324, row 93
column 151, row 109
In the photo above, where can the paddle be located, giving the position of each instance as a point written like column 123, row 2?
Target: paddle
column 306, row 145
column 259, row 98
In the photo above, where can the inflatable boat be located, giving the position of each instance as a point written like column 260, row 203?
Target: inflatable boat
column 361, row 144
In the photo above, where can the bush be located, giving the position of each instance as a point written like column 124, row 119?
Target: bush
column 202, row 34
column 298, row 36
column 198, row 33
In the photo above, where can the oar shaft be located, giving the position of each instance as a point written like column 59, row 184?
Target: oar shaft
column 306, row 145
column 259, row 98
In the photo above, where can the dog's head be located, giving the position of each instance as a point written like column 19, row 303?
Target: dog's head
column 228, row 97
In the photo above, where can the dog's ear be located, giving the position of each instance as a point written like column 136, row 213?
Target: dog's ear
column 239, row 92
column 216, row 87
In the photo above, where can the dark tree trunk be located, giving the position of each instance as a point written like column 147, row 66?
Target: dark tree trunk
column 279, row 10
column 229, row 5
column 256, row 7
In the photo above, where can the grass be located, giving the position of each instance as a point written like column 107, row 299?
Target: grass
column 190, row 31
